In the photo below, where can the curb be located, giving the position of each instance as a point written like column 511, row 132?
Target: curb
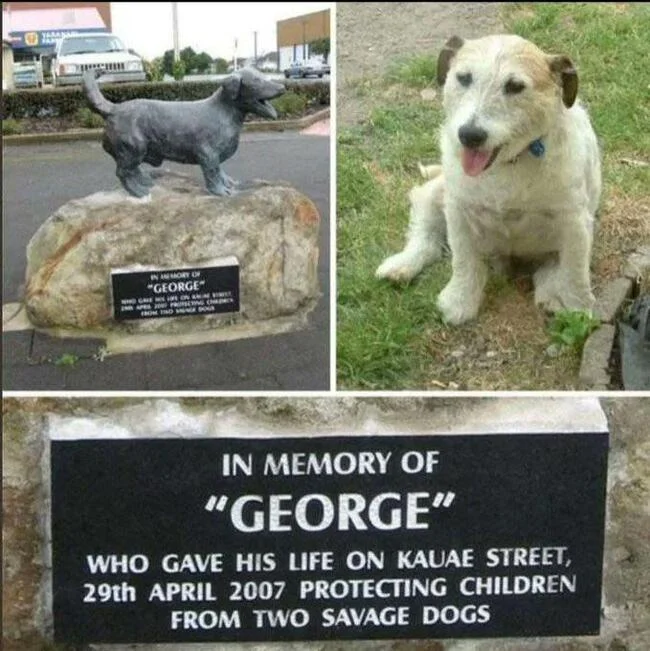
column 96, row 134
column 595, row 366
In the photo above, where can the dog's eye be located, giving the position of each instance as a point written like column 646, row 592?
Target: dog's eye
column 464, row 80
column 513, row 87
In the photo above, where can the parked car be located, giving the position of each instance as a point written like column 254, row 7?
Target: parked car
column 77, row 53
column 306, row 69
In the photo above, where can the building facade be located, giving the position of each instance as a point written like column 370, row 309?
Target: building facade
column 33, row 28
column 296, row 34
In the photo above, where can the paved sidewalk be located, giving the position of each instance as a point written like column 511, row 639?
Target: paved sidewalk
column 321, row 128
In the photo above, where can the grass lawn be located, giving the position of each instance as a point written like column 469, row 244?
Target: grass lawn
column 391, row 337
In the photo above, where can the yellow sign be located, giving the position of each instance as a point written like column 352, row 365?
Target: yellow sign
column 31, row 39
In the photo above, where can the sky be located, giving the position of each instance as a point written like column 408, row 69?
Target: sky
column 204, row 26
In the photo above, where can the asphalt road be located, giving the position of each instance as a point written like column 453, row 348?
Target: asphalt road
column 38, row 179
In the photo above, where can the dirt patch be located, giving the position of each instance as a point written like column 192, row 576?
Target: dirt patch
column 372, row 35
column 510, row 349
column 623, row 224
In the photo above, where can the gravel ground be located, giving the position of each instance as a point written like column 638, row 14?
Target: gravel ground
column 371, row 35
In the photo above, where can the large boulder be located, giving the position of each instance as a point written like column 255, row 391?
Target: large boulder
column 271, row 229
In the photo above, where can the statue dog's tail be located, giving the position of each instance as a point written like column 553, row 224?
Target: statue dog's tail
column 97, row 101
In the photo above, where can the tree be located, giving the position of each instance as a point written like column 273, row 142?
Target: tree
column 221, row 66
column 168, row 63
column 188, row 57
column 320, row 46
column 202, row 62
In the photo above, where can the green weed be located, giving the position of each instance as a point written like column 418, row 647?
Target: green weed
column 570, row 328
column 67, row 359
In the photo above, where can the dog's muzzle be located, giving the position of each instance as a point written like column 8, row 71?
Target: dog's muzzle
column 263, row 105
column 474, row 159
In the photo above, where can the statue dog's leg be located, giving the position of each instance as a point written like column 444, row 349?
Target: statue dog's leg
column 229, row 182
column 134, row 181
column 214, row 181
column 145, row 179
column 154, row 161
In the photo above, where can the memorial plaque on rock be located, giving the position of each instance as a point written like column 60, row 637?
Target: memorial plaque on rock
column 154, row 293
column 328, row 537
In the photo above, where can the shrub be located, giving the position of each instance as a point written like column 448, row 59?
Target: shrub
column 317, row 93
column 86, row 118
column 11, row 127
column 154, row 70
column 290, row 104
column 62, row 102
column 178, row 70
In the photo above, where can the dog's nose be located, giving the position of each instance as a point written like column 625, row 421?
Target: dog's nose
column 472, row 136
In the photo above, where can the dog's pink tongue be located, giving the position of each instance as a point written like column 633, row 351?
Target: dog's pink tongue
column 474, row 161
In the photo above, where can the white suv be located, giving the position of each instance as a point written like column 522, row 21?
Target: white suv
column 77, row 53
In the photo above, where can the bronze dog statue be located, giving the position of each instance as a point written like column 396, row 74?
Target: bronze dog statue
column 204, row 132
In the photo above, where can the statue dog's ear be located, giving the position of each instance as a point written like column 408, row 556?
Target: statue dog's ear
column 231, row 86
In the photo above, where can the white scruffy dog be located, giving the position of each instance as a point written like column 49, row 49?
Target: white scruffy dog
column 520, row 177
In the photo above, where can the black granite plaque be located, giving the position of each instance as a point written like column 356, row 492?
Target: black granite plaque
column 357, row 537
column 159, row 293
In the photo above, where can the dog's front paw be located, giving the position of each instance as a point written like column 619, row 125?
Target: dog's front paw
column 553, row 293
column 399, row 268
column 547, row 298
column 547, row 281
column 454, row 305
column 549, row 303
column 578, row 299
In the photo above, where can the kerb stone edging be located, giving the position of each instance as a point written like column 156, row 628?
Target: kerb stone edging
column 595, row 372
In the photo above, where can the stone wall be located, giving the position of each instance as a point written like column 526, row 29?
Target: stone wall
column 28, row 423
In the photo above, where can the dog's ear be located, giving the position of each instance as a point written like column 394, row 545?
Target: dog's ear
column 231, row 86
column 562, row 67
column 447, row 53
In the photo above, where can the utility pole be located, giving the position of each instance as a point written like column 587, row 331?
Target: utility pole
column 177, row 55
column 255, row 48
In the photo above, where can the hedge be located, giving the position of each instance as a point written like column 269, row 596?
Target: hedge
column 60, row 102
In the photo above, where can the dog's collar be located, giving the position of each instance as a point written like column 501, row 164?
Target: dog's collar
column 535, row 148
